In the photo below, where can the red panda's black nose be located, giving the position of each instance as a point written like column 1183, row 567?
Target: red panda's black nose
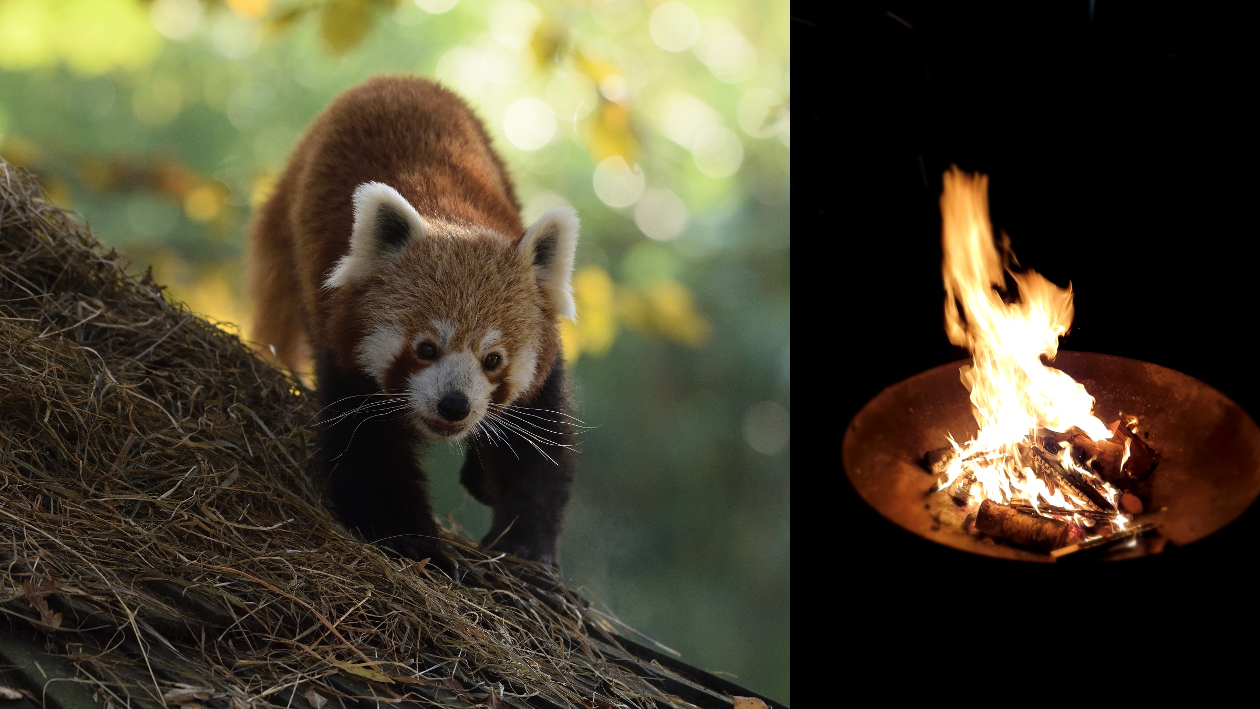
column 453, row 407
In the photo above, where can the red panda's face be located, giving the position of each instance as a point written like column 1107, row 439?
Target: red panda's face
column 457, row 321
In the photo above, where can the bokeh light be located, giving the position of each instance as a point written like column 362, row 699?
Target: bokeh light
column 529, row 123
column 717, row 151
column 660, row 214
column 767, row 427
column 175, row 19
column 617, row 184
column 437, row 7
column 674, row 26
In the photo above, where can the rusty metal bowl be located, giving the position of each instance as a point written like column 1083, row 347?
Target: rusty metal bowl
column 1209, row 449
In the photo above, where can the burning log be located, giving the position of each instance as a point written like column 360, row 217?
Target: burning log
column 937, row 461
column 1125, row 460
column 1102, row 541
column 960, row 491
column 1141, row 457
column 1041, row 533
column 1047, row 466
column 1028, row 509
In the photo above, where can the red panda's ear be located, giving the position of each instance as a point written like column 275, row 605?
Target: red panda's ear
column 549, row 246
column 384, row 222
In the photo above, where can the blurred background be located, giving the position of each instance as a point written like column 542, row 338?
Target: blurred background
column 666, row 124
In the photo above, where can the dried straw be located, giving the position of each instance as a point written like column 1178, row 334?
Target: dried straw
column 161, row 530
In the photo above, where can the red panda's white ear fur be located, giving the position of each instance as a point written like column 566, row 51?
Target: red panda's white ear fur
column 384, row 221
column 549, row 244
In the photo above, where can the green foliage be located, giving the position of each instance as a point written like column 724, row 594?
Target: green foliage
column 666, row 124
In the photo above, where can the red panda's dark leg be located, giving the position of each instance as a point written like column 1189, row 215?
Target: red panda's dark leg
column 527, row 492
column 371, row 458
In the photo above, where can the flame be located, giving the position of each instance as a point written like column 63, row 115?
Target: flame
column 1011, row 322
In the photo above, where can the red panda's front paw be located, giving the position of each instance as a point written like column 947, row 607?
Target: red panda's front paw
column 419, row 549
column 525, row 548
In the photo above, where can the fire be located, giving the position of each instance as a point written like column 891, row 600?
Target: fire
column 1011, row 322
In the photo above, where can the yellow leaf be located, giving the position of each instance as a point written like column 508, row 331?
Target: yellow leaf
column 675, row 315
column 204, row 202
column 596, row 328
column 663, row 309
column 260, row 192
column 279, row 24
column 252, row 9
column 610, row 133
column 748, row 703
column 548, row 42
column 345, row 23
column 362, row 671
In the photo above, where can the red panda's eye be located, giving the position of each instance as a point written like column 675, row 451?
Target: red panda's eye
column 491, row 362
column 427, row 350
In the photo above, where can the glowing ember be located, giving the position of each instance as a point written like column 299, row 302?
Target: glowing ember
column 1012, row 328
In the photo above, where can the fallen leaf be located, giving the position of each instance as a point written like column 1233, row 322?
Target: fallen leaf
column 35, row 595
column 364, row 672
column 419, row 565
column 749, row 703
column 187, row 694
column 316, row 699
column 9, row 693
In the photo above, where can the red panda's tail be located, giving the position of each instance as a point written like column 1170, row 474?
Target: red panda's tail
column 274, row 289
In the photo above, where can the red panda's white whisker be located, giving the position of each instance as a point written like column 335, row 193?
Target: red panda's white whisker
column 495, row 429
column 528, row 438
column 524, row 422
column 541, row 452
column 354, row 396
column 525, row 436
column 365, row 420
column 531, row 437
column 366, row 407
column 546, row 411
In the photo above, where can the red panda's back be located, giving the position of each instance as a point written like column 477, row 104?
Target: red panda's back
column 410, row 134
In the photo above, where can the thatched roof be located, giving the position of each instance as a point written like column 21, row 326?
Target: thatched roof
column 163, row 542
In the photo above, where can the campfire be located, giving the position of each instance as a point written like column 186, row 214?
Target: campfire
column 1043, row 471
column 1037, row 454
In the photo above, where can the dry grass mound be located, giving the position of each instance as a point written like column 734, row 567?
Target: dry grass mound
column 163, row 543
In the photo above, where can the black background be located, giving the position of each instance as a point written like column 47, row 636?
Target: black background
column 1118, row 141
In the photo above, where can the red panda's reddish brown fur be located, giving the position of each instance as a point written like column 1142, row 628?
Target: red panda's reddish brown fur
column 412, row 135
column 392, row 253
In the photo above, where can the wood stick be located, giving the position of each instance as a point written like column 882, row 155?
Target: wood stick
column 1063, row 476
column 1095, row 542
column 1028, row 508
column 1041, row 533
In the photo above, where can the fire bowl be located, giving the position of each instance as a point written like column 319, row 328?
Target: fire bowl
column 1208, row 449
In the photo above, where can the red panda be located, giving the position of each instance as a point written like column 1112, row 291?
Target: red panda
column 392, row 252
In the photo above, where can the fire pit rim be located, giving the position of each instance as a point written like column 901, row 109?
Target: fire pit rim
column 1220, row 481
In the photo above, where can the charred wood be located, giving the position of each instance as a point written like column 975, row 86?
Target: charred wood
column 1106, row 458
column 1041, row 533
column 1063, row 476
column 960, row 490
column 1102, row 541
column 1141, row 457
column 937, row 461
column 1028, row 508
